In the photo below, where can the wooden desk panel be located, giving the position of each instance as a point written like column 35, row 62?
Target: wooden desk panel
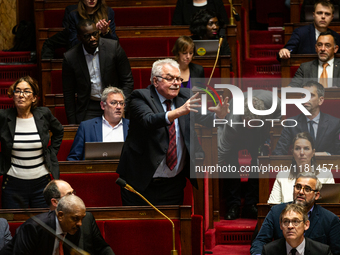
column 181, row 213
column 88, row 166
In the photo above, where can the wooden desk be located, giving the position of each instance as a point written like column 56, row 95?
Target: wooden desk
column 88, row 166
column 181, row 213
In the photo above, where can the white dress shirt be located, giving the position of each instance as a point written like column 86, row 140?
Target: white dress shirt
column 94, row 71
column 112, row 134
column 329, row 70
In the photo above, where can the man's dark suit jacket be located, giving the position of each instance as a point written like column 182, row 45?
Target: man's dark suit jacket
column 278, row 247
column 327, row 137
column 32, row 239
column 115, row 70
column 148, row 139
column 90, row 131
column 324, row 228
column 309, row 71
column 303, row 40
column 45, row 122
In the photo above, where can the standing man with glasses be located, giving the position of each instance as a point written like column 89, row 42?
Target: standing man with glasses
column 293, row 223
column 324, row 225
column 90, row 67
column 162, row 145
column 110, row 127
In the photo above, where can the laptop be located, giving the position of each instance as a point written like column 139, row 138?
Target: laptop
column 100, row 150
column 329, row 193
column 206, row 47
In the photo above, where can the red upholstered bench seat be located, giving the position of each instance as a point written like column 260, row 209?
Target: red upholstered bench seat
column 96, row 189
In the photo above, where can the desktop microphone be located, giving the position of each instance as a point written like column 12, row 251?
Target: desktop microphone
column 221, row 34
column 236, row 15
column 126, row 186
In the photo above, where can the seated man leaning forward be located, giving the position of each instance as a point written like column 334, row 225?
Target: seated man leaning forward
column 88, row 237
column 111, row 127
column 293, row 223
column 32, row 238
column 324, row 225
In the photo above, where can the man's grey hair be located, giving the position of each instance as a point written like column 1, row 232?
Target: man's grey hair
column 67, row 203
column 319, row 88
column 258, row 105
column 110, row 90
column 312, row 176
column 158, row 66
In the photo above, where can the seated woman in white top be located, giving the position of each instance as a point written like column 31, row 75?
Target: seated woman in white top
column 303, row 161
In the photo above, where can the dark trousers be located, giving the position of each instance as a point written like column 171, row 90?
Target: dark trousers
column 232, row 184
column 161, row 191
column 30, row 192
column 94, row 110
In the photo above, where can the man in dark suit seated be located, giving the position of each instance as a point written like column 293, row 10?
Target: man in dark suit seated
column 303, row 39
column 111, row 127
column 324, row 225
column 325, row 69
column 89, row 237
column 293, row 223
column 32, row 238
column 161, row 145
column 325, row 128
column 90, row 67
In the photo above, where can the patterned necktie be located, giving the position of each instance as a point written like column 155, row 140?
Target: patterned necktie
column 311, row 129
column 171, row 155
column 324, row 76
column 293, row 251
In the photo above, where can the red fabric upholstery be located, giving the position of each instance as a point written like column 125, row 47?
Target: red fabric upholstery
column 60, row 114
column 14, row 72
column 64, row 149
column 188, row 195
column 143, row 16
column 141, row 237
column 56, row 82
column 53, row 18
column 136, row 78
column 96, row 189
column 100, row 224
column 13, row 227
column 293, row 70
column 148, row 46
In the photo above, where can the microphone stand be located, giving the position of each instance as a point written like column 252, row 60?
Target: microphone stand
column 126, row 186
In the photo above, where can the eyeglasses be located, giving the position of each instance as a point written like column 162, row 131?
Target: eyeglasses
column 88, row 36
column 306, row 189
column 26, row 93
column 171, row 79
column 295, row 222
column 115, row 103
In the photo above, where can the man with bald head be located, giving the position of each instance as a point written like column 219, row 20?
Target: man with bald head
column 32, row 238
column 88, row 237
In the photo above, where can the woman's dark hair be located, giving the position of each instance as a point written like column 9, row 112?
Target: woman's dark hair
column 294, row 171
column 199, row 21
column 32, row 82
